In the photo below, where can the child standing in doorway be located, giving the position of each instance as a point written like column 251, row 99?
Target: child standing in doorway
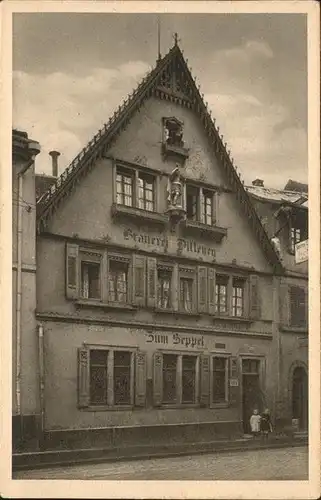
column 266, row 425
column 255, row 421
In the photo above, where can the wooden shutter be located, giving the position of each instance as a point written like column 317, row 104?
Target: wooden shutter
column 211, row 290
column 234, row 382
column 104, row 277
column 202, row 289
column 151, row 282
column 158, row 379
column 140, row 378
column 284, row 305
column 205, row 380
column 175, row 287
column 254, row 297
column 139, row 280
column 83, row 377
column 216, row 197
column 72, row 271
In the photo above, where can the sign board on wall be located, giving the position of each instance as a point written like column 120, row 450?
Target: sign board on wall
column 301, row 251
column 234, row 382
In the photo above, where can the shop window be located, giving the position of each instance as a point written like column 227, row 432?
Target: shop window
column 111, row 377
column 122, row 377
column 186, row 294
column 146, row 192
column 221, row 294
column 90, row 280
column 298, row 308
column 164, row 279
column 118, row 281
column 124, row 187
column 238, row 297
column 169, row 378
column 188, row 379
column 219, row 379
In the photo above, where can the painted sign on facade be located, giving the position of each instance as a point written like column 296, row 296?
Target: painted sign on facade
column 301, row 252
column 176, row 339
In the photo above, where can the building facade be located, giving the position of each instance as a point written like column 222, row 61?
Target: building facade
column 25, row 389
column 284, row 214
column 157, row 284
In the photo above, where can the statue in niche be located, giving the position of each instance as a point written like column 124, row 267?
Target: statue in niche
column 174, row 188
column 174, row 132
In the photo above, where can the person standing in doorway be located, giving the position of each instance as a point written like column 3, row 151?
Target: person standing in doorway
column 266, row 425
column 255, row 423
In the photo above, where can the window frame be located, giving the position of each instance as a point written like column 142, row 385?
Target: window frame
column 202, row 194
column 179, row 379
column 226, row 356
column 191, row 274
column 90, row 256
column 126, row 259
column 169, row 269
column 136, row 173
column 110, row 405
column 227, row 278
column 244, row 288
column 303, row 304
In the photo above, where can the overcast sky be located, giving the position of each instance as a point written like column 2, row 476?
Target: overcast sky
column 72, row 70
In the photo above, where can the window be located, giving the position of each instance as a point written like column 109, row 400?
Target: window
column 98, row 377
column 146, row 192
column 250, row 366
column 174, row 132
column 295, row 237
column 179, row 379
column 221, row 294
column 122, row 376
column 90, row 280
column 192, row 196
column 298, row 310
column 164, row 277
column 186, row 294
column 238, row 297
column 169, row 378
column 118, row 281
column 124, row 187
column 207, row 208
column 135, row 189
column 219, row 379
column 188, row 379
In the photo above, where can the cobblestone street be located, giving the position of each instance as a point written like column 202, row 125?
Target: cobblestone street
column 278, row 464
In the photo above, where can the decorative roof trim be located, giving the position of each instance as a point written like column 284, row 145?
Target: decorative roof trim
column 97, row 147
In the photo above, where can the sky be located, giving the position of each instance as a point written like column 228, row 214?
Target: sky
column 71, row 71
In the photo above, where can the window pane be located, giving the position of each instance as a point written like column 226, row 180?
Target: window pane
column 124, row 188
column 98, row 377
column 169, row 378
column 238, row 298
column 188, row 379
column 117, row 280
column 186, row 294
column 146, row 193
column 219, row 380
column 122, row 365
column 164, row 289
column 90, row 280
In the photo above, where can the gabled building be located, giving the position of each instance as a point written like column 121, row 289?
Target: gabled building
column 284, row 214
column 157, row 283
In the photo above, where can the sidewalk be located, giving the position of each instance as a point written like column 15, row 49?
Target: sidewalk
column 44, row 459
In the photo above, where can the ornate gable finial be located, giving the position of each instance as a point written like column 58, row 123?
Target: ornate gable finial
column 176, row 39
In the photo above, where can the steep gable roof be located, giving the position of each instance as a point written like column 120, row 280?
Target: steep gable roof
column 158, row 82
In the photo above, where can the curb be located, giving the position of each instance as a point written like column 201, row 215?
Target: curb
column 101, row 456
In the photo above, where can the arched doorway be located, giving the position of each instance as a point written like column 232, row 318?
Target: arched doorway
column 300, row 396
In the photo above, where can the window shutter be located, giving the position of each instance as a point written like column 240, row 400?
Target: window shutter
column 284, row 304
column 216, row 198
column 104, row 277
column 175, row 287
column 139, row 280
column 83, row 377
column 151, row 282
column 140, row 378
column 72, row 271
column 158, row 379
column 211, row 290
column 205, row 380
column 254, row 297
column 202, row 289
column 234, row 382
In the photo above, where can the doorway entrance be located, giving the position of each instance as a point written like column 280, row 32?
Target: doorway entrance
column 252, row 396
column 300, row 397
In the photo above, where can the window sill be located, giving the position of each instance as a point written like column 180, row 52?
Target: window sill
column 219, row 405
column 186, row 313
column 175, row 406
column 164, row 311
column 172, row 150
column 234, row 319
column 215, row 233
column 93, row 408
column 138, row 215
column 293, row 329
column 105, row 305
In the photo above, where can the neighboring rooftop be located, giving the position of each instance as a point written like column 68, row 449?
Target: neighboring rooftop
column 296, row 186
column 43, row 183
column 280, row 196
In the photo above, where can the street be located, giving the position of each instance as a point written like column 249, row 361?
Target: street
column 270, row 464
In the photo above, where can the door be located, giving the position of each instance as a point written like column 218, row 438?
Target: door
column 252, row 397
column 300, row 397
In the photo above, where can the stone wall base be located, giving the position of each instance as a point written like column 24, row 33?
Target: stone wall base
column 26, row 432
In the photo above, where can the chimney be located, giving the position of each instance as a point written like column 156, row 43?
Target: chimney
column 54, row 155
column 258, row 182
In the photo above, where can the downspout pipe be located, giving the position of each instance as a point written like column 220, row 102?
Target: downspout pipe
column 33, row 150
column 41, row 382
